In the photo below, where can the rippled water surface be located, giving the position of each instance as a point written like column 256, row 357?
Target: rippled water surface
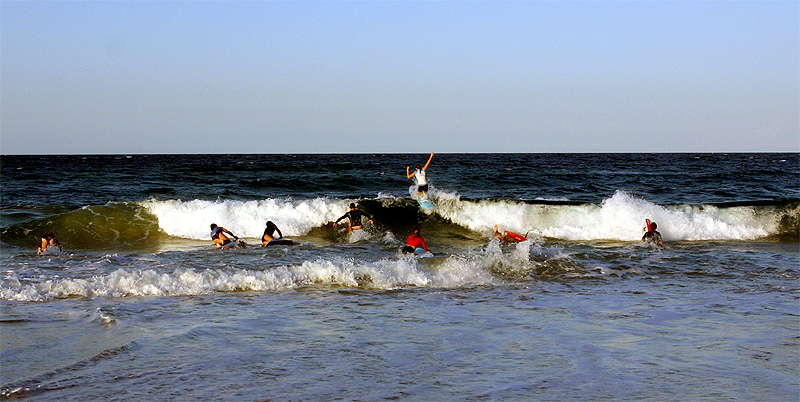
column 140, row 306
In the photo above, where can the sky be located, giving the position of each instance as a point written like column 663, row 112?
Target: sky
column 139, row 77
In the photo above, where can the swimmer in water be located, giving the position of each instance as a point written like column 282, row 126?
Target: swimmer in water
column 652, row 236
column 49, row 240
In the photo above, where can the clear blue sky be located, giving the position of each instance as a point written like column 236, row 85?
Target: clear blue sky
column 330, row 77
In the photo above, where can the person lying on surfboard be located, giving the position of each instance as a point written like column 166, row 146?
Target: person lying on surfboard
column 269, row 233
column 510, row 237
column 420, row 175
column 415, row 241
column 652, row 235
column 218, row 235
column 354, row 216
column 49, row 240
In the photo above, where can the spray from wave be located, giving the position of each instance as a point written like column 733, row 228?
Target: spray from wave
column 191, row 219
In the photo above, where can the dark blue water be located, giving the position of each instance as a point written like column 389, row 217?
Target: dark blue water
column 140, row 305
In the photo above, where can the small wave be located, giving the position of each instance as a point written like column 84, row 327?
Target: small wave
column 491, row 265
column 144, row 225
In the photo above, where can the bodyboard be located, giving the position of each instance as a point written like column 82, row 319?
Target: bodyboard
column 230, row 245
column 513, row 237
column 279, row 242
column 421, row 253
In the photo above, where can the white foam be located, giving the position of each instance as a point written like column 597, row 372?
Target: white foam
column 191, row 219
column 384, row 274
column 620, row 217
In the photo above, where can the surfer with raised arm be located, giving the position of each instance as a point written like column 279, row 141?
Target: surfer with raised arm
column 420, row 174
column 269, row 233
column 354, row 215
column 219, row 238
column 49, row 240
column 652, row 235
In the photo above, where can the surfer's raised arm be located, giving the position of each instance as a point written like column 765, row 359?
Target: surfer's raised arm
column 429, row 162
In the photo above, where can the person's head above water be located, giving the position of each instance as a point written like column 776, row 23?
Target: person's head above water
column 352, row 205
column 416, row 230
column 213, row 226
column 653, row 226
column 418, row 167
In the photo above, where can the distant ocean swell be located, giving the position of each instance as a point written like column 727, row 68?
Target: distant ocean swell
column 135, row 225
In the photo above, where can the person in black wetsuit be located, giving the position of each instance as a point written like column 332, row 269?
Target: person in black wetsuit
column 355, row 218
column 652, row 236
column 269, row 233
column 49, row 242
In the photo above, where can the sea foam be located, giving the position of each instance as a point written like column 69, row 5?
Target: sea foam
column 191, row 219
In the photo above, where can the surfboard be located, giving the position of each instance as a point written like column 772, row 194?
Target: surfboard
column 421, row 253
column 425, row 203
column 279, row 242
column 422, row 199
column 511, row 236
column 648, row 225
column 51, row 251
column 231, row 244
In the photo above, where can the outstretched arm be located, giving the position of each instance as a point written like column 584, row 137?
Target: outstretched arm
column 429, row 162
column 409, row 174
column 424, row 247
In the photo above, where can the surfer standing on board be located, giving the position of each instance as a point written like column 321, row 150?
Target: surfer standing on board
column 269, row 232
column 354, row 216
column 421, row 175
column 218, row 235
column 652, row 235
column 49, row 240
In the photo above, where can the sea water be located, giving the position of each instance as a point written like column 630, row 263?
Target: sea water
column 141, row 306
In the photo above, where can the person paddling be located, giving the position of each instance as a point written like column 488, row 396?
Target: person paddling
column 414, row 242
column 219, row 237
column 269, row 233
column 508, row 237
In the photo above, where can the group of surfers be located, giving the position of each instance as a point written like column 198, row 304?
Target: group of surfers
column 414, row 242
column 221, row 239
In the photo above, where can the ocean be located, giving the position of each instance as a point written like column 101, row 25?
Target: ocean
column 140, row 305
